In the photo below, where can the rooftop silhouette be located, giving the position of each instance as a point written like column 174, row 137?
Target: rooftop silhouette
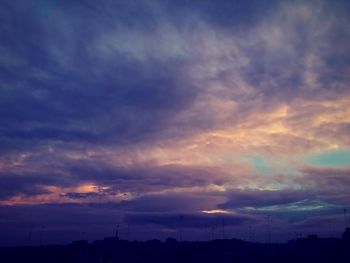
column 113, row 249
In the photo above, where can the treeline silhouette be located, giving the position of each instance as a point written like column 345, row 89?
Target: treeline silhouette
column 112, row 249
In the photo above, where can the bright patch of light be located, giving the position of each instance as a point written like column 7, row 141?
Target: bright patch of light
column 215, row 211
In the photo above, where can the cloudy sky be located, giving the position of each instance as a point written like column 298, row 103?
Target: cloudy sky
column 205, row 116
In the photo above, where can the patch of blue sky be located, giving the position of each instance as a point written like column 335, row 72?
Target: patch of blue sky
column 261, row 165
column 269, row 165
column 337, row 158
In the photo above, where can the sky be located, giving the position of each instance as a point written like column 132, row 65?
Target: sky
column 211, row 118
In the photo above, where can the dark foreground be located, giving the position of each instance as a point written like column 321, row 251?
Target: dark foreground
column 114, row 250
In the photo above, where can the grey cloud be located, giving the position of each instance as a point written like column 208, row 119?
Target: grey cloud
column 54, row 169
column 331, row 183
column 144, row 178
column 90, row 100
column 179, row 202
column 29, row 184
column 190, row 220
column 262, row 198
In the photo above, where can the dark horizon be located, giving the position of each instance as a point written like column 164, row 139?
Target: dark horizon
column 113, row 249
column 119, row 236
column 39, row 236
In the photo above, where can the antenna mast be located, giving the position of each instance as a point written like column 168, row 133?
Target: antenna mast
column 30, row 235
column 223, row 229
column 129, row 232
column 212, row 232
column 269, row 229
column 41, row 235
column 117, row 232
column 181, row 219
column 330, row 228
column 345, row 221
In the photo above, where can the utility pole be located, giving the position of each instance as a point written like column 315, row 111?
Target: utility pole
column 206, row 238
column 269, row 229
column 223, row 229
column 117, row 232
column 345, row 219
column 129, row 232
column 330, row 228
column 250, row 234
column 212, row 232
column 41, row 236
column 180, row 219
column 30, row 235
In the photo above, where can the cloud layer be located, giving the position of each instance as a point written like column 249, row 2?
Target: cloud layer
column 143, row 112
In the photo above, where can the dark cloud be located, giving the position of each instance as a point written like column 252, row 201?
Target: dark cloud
column 61, row 84
column 263, row 198
column 144, row 178
column 70, row 93
column 187, row 220
column 339, row 176
column 326, row 198
column 24, row 184
column 123, row 110
column 74, row 195
column 229, row 15
column 331, row 183
column 139, row 179
column 179, row 202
